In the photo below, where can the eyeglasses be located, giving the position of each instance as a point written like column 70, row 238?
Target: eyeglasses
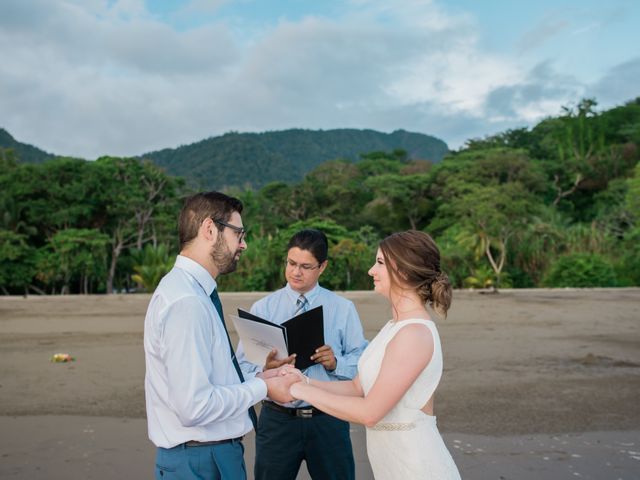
column 239, row 230
column 303, row 266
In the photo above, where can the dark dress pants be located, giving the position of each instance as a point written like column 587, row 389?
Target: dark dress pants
column 283, row 441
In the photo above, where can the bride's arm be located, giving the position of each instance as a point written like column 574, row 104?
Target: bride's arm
column 406, row 355
column 349, row 388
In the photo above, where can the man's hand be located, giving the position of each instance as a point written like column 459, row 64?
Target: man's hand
column 280, row 371
column 278, row 387
column 324, row 355
column 289, row 370
column 272, row 362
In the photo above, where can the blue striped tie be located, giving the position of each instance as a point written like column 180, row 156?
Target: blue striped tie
column 301, row 304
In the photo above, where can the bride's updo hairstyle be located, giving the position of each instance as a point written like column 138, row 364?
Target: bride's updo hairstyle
column 413, row 260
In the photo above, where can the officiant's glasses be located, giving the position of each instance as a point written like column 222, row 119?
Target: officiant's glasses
column 305, row 267
column 239, row 230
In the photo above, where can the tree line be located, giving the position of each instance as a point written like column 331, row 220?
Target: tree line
column 554, row 205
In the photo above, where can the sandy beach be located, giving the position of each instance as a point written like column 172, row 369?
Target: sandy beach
column 537, row 384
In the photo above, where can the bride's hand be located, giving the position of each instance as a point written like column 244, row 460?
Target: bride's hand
column 296, row 389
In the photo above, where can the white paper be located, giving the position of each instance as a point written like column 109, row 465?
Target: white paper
column 258, row 339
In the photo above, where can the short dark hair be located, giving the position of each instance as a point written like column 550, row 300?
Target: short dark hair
column 312, row 240
column 197, row 208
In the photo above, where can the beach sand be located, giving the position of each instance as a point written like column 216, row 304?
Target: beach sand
column 537, row 384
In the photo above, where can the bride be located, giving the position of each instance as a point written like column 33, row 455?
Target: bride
column 398, row 373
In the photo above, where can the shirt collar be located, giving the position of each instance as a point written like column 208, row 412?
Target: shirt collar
column 310, row 295
column 197, row 271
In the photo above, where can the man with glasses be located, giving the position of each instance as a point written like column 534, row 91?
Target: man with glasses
column 291, row 432
column 199, row 402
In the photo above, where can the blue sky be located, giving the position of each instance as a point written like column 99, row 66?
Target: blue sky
column 123, row 77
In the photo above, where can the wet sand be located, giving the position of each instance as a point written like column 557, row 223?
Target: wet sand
column 537, row 384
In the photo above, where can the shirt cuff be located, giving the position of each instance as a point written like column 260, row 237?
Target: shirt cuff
column 337, row 372
column 249, row 375
column 342, row 372
column 258, row 388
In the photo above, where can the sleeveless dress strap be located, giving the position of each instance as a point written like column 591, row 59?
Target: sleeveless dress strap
column 410, row 321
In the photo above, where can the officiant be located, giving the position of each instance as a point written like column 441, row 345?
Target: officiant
column 292, row 432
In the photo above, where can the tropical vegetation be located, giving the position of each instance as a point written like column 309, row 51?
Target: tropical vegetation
column 555, row 205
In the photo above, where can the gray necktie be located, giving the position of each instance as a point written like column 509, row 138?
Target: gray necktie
column 301, row 304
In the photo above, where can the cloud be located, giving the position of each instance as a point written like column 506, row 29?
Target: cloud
column 541, row 93
column 204, row 6
column 619, row 83
column 92, row 77
column 541, row 34
column 74, row 37
column 83, row 81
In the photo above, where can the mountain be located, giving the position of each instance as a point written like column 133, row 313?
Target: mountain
column 255, row 159
column 24, row 152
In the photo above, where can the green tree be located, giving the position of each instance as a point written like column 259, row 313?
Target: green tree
column 458, row 258
column 335, row 191
column 539, row 242
column 78, row 254
column 150, row 265
column 17, row 262
column 517, row 138
column 487, row 166
column 630, row 259
column 574, row 153
column 403, row 199
column 632, row 198
column 481, row 277
column 132, row 193
column 350, row 260
column 494, row 214
column 581, row 270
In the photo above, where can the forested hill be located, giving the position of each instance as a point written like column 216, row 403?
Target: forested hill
column 23, row 151
column 255, row 159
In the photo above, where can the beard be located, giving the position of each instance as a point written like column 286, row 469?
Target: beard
column 223, row 258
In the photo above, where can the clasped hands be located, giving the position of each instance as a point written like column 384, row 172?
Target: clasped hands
column 280, row 382
column 281, row 376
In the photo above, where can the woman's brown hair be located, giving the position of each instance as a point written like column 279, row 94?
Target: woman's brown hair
column 413, row 259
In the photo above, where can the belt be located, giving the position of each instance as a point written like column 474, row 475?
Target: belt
column 304, row 412
column 193, row 443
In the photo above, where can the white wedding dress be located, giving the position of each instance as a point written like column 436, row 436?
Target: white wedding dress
column 406, row 443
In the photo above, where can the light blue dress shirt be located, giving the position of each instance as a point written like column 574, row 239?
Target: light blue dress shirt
column 342, row 331
column 191, row 386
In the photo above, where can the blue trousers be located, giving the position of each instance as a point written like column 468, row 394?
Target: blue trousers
column 283, row 441
column 224, row 461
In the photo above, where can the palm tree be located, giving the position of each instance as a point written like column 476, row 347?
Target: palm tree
column 151, row 264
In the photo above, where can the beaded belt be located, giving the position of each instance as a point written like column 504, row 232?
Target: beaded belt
column 394, row 426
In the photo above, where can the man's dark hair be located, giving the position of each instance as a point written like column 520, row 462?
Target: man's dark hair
column 312, row 240
column 197, row 208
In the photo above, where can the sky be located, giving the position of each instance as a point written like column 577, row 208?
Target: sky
column 88, row 78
